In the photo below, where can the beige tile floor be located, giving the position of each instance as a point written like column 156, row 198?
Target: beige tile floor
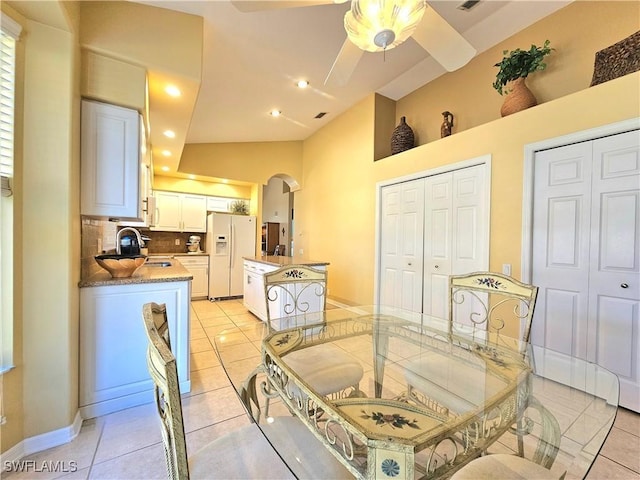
column 127, row 444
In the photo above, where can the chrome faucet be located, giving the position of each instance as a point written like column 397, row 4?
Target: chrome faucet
column 119, row 236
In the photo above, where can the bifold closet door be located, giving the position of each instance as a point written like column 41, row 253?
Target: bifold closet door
column 431, row 227
column 586, row 255
column 455, row 238
column 401, row 245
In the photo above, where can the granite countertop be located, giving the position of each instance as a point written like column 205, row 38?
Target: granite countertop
column 145, row 274
column 282, row 261
column 184, row 254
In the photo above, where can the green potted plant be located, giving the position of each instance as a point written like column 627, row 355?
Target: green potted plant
column 514, row 68
column 239, row 207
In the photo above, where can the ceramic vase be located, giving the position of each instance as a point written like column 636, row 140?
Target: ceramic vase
column 402, row 137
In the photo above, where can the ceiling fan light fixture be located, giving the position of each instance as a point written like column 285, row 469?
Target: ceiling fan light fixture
column 377, row 25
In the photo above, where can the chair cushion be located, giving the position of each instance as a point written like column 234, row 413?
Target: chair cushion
column 455, row 384
column 503, row 466
column 326, row 368
column 245, row 453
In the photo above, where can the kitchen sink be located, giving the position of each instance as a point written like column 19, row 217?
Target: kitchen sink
column 158, row 264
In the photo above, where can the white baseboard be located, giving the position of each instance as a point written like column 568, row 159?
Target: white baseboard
column 42, row 442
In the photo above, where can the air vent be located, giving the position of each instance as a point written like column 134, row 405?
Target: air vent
column 320, row 115
column 468, row 5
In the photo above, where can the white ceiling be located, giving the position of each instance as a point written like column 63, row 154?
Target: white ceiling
column 253, row 60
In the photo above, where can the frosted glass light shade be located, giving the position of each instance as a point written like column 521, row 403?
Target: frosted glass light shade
column 377, row 25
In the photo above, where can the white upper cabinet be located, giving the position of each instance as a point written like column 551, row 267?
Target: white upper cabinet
column 194, row 213
column 217, row 204
column 110, row 162
column 180, row 212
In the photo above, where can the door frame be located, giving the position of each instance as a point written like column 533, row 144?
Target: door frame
column 481, row 160
column 530, row 150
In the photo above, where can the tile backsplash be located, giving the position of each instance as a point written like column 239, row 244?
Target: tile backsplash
column 165, row 242
column 93, row 235
column 98, row 237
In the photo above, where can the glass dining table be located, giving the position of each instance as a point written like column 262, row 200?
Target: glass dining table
column 432, row 398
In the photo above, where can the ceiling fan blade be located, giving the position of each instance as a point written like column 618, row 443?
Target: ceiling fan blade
column 344, row 64
column 259, row 5
column 442, row 41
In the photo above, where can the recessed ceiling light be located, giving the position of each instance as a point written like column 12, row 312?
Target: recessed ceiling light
column 224, row 180
column 275, row 113
column 165, row 169
column 191, row 176
column 166, row 153
column 169, row 134
column 302, row 83
column 172, row 90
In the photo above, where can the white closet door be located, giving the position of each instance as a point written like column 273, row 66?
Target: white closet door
column 456, row 224
column 401, row 245
column 561, row 217
column 438, row 234
column 613, row 336
column 586, row 255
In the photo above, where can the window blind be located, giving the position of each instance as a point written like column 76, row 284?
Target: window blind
column 9, row 32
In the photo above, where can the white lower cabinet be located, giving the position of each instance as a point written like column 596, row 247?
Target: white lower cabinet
column 254, row 293
column 198, row 266
column 113, row 343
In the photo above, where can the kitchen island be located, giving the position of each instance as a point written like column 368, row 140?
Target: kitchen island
column 255, row 268
column 113, row 343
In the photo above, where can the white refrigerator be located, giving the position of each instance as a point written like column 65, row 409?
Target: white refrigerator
column 229, row 238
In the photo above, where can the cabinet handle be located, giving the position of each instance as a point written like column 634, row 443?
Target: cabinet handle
column 624, row 285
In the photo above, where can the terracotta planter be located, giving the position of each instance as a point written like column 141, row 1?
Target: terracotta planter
column 519, row 98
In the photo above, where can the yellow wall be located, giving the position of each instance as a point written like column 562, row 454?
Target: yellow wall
column 249, row 162
column 146, row 34
column 335, row 211
column 576, row 32
column 47, row 234
column 173, row 184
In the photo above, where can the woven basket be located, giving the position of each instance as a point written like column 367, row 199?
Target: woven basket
column 518, row 98
column 617, row 60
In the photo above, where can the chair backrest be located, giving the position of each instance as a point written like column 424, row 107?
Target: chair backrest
column 490, row 301
column 162, row 367
column 294, row 290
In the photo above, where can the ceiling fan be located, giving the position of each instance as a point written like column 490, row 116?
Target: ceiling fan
column 379, row 25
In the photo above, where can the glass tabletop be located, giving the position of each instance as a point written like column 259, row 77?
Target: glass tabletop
column 422, row 398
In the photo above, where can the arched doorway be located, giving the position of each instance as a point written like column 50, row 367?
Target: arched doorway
column 278, row 215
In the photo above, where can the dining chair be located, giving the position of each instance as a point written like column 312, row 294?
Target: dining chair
column 482, row 305
column 300, row 289
column 241, row 454
column 511, row 466
column 492, row 304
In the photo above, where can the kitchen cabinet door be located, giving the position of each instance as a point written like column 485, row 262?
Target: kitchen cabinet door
column 110, row 162
column 180, row 212
column 113, row 343
column 198, row 266
column 217, row 204
column 168, row 216
column 194, row 213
